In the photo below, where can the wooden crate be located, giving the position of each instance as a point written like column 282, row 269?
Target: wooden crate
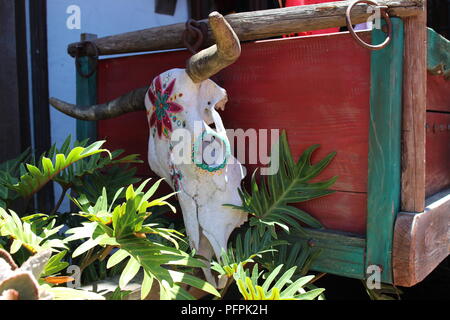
column 328, row 90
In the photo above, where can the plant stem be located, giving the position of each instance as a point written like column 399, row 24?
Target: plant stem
column 84, row 263
column 319, row 276
column 60, row 200
column 99, row 255
column 225, row 289
column 105, row 252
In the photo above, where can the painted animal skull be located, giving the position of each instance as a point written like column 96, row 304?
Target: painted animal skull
column 183, row 102
column 174, row 102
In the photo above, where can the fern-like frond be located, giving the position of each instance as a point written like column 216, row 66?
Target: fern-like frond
column 298, row 255
column 269, row 201
column 245, row 249
column 276, row 286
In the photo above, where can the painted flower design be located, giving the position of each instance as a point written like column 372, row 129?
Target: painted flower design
column 163, row 106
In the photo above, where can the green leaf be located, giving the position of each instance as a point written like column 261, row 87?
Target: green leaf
column 271, row 277
column 285, row 278
column 15, row 246
column 147, row 284
column 122, row 226
column 270, row 201
column 310, row 295
column 36, row 178
column 119, row 294
column 299, row 283
column 116, row 258
column 129, row 272
column 244, row 250
column 85, row 246
column 194, row 282
column 62, row 293
column 22, row 234
column 9, row 172
column 251, row 290
column 55, row 265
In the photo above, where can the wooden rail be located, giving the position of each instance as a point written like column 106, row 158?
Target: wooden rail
column 249, row 26
column 414, row 113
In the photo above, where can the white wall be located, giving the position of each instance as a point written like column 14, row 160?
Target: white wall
column 101, row 17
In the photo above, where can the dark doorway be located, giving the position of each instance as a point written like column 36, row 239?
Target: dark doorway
column 15, row 134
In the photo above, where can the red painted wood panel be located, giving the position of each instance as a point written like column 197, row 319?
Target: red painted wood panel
column 437, row 152
column 341, row 216
column 316, row 88
column 438, row 93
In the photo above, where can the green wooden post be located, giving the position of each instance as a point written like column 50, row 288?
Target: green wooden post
column 86, row 94
column 384, row 179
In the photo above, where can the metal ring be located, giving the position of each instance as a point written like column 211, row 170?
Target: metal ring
column 93, row 59
column 198, row 31
column 385, row 15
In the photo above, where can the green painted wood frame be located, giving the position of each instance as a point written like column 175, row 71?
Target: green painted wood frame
column 344, row 254
column 86, row 93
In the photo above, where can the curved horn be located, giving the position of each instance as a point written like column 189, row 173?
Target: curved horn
column 209, row 61
column 132, row 101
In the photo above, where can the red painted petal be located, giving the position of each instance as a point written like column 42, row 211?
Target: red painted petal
column 169, row 88
column 151, row 96
column 174, row 107
column 158, row 85
column 167, row 123
column 153, row 119
column 159, row 126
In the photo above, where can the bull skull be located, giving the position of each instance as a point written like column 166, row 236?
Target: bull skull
column 180, row 99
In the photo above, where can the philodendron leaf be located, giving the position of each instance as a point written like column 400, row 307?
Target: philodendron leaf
column 55, row 265
column 22, row 234
column 62, row 293
column 130, row 271
column 37, row 177
column 180, row 277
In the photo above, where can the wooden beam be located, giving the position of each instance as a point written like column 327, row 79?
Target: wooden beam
column 422, row 240
column 252, row 25
column 414, row 113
